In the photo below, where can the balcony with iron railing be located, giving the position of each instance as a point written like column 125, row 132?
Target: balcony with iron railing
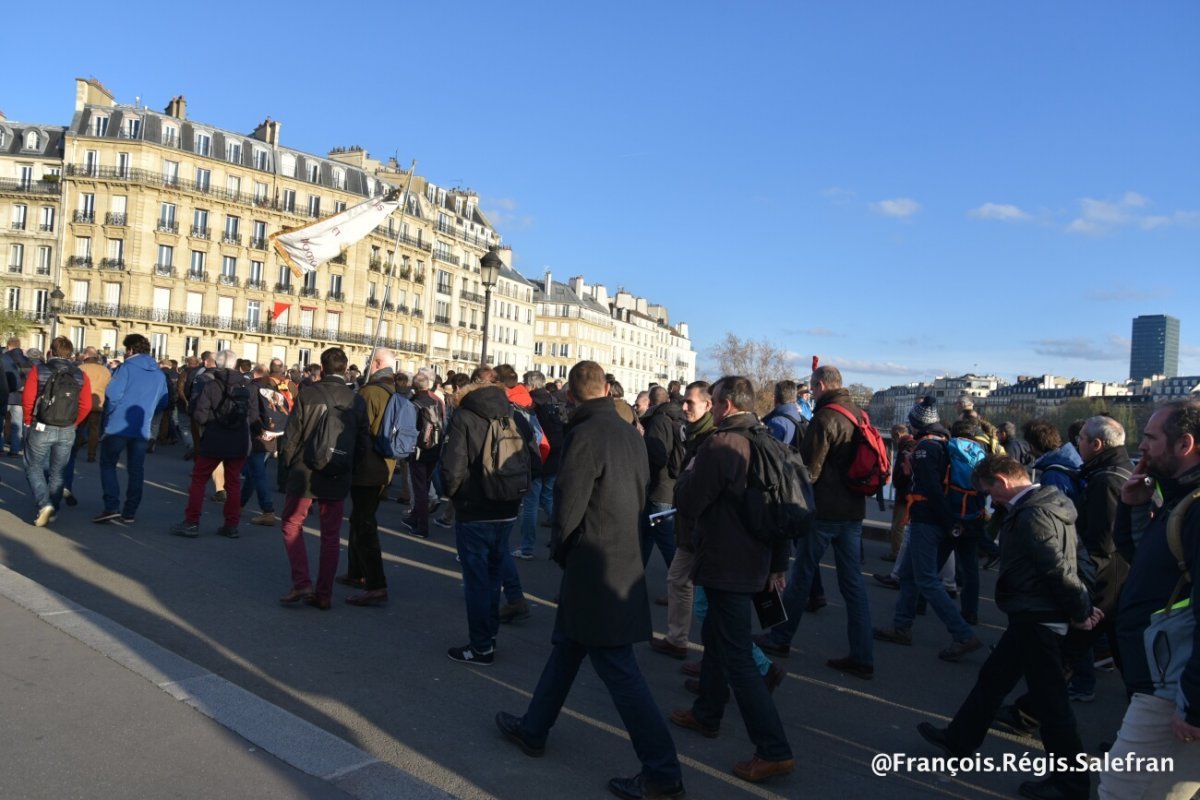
column 340, row 258
column 336, row 297
column 441, row 319
column 462, row 323
column 83, row 262
column 197, row 276
column 474, row 327
column 231, row 238
column 471, row 297
column 418, row 313
column 401, row 309
column 40, row 270
column 228, row 280
column 283, row 288
column 164, row 270
column 29, row 187
column 201, row 232
column 115, row 219
column 447, row 257
column 444, row 288
column 310, row 291
column 84, row 217
column 112, row 263
column 419, row 277
column 389, row 306
column 258, row 244
column 16, row 269
column 372, row 302
column 46, row 227
column 375, row 265
column 18, row 225
column 443, row 227
column 256, row 284
column 167, row 226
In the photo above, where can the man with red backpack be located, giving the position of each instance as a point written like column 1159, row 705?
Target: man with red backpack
column 831, row 450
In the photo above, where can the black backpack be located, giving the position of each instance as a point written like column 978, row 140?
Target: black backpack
column 429, row 426
column 58, row 401
column 330, row 449
column 233, row 411
column 778, row 502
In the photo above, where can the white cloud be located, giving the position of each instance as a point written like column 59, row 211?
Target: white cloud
column 1113, row 348
column 874, row 367
column 505, row 215
column 899, row 207
column 1100, row 217
column 1004, row 212
column 838, row 195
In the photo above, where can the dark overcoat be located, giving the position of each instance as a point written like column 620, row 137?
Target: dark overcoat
column 599, row 494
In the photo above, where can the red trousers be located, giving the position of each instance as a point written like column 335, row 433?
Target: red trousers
column 202, row 470
column 295, row 509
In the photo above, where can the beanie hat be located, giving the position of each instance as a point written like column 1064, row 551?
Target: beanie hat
column 924, row 413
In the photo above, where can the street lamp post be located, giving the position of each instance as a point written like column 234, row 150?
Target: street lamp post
column 489, row 273
column 56, row 302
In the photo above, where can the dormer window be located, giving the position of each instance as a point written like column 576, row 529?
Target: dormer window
column 33, row 141
column 99, row 125
column 170, row 135
column 339, row 179
column 314, row 173
column 203, row 144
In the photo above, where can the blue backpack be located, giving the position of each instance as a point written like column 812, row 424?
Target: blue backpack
column 397, row 437
column 962, row 500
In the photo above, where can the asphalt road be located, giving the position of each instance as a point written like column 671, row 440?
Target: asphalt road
column 379, row 679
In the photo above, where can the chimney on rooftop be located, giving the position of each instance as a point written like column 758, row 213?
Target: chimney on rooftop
column 268, row 131
column 177, row 108
column 549, row 282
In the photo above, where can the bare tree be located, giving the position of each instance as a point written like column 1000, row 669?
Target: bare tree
column 13, row 323
column 761, row 361
column 861, row 394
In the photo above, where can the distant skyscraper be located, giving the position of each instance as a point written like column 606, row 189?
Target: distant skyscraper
column 1155, row 348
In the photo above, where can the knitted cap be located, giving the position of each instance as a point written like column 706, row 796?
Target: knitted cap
column 924, row 413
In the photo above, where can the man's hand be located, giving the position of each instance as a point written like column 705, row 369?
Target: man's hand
column 1092, row 621
column 1184, row 732
column 778, row 580
column 1136, row 491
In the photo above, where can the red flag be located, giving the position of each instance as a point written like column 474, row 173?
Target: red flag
column 280, row 310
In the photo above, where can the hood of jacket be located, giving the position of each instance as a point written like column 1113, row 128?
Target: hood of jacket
column 142, row 361
column 487, row 400
column 669, row 410
column 839, row 396
column 1051, row 501
column 1065, row 456
column 519, row 396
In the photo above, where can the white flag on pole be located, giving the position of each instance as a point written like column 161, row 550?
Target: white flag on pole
column 307, row 247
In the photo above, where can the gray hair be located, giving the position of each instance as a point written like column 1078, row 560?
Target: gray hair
column 1106, row 429
column 535, row 380
column 386, row 358
column 421, row 381
column 227, row 359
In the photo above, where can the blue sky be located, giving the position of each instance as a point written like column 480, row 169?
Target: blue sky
column 905, row 189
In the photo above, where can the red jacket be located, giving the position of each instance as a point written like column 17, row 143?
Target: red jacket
column 30, row 395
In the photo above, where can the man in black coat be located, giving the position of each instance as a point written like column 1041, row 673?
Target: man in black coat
column 328, row 396
column 603, row 607
column 664, row 445
column 223, row 414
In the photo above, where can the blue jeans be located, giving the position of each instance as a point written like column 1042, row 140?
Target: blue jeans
column 254, row 480
column 111, row 448
column 49, row 449
column 846, row 538
column 481, row 550
column 618, row 668
column 727, row 663
column 510, row 579
column 700, row 609
column 541, row 493
column 919, row 575
column 16, row 424
column 662, row 534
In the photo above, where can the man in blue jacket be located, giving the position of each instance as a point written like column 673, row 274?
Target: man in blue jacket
column 135, row 394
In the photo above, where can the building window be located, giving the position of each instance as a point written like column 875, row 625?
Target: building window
column 158, row 345
column 229, row 267
column 16, row 257
column 260, row 193
column 335, row 284
column 256, row 271
column 443, row 282
column 203, row 179
column 537, row 348
column 191, row 346
column 45, row 256
column 170, row 136
column 200, row 223
column 166, row 256
column 18, row 217
column 99, row 125
column 12, row 298
column 339, row 179
column 260, row 160
column 305, row 357
column 203, row 144
column 133, row 128
column 339, row 206
column 314, row 205
column 123, row 165
column 233, row 188
column 199, row 259
column 233, row 152
column 285, row 275
column 32, row 140
column 233, row 228
column 314, row 173
column 289, row 200
column 170, row 173
column 166, row 217
column 253, row 314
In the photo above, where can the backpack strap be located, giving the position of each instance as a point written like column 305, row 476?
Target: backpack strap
column 1175, row 544
column 846, row 413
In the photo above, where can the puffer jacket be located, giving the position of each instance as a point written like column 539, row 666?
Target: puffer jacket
column 218, row 440
column 827, row 449
column 1038, row 575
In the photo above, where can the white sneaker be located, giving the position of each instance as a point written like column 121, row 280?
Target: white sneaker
column 44, row 516
column 522, row 555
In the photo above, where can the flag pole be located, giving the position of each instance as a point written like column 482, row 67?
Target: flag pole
column 391, row 276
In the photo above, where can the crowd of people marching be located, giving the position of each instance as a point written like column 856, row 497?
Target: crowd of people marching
column 1095, row 554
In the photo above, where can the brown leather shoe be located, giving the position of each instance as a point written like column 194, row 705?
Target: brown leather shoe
column 758, row 769
column 684, row 718
column 296, row 596
column 661, row 645
column 353, row 583
column 375, row 597
column 323, row 604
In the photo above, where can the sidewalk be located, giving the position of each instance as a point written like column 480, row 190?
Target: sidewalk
column 83, row 717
